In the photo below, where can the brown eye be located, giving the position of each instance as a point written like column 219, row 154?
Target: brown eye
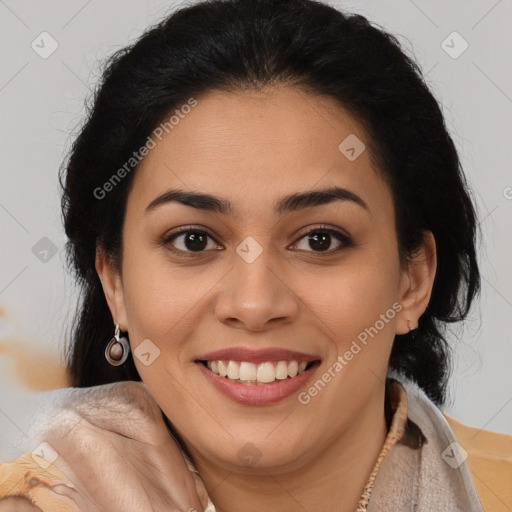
column 189, row 241
column 321, row 240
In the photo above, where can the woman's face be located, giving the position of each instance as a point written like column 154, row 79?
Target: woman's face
column 256, row 287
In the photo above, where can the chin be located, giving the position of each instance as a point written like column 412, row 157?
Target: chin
column 254, row 455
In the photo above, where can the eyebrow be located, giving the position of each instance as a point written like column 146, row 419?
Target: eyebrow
column 287, row 204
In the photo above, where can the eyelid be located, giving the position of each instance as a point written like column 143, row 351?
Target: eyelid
column 320, row 227
column 185, row 229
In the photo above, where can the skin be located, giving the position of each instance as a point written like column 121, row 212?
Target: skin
column 252, row 148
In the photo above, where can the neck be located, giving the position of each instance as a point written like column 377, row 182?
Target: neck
column 333, row 480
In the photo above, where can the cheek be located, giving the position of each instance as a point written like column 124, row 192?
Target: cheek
column 357, row 308
column 354, row 295
column 157, row 294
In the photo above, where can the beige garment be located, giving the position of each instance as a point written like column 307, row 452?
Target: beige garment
column 33, row 479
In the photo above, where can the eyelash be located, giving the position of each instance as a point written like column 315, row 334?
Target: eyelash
column 341, row 237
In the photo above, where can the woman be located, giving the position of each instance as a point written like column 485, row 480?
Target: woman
column 265, row 208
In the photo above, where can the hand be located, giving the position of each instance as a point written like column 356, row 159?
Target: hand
column 115, row 447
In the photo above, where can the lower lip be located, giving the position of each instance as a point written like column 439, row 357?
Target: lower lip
column 258, row 394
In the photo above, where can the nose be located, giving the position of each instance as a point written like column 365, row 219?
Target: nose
column 257, row 295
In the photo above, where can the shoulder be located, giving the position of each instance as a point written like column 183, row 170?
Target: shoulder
column 489, row 458
column 446, row 453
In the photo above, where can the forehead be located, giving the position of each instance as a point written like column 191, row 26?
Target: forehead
column 256, row 146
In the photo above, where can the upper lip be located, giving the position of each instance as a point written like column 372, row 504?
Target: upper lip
column 256, row 356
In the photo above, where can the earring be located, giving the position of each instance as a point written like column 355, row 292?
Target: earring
column 117, row 349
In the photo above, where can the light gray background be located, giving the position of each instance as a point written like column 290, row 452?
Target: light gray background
column 42, row 102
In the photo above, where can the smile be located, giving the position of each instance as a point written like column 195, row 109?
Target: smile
column 245, row 372
column 257, row 383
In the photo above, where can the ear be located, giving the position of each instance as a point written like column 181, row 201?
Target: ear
column 416, row 285
column 112, row 288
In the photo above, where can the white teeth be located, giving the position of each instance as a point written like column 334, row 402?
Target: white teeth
column 233, row 371
column 293, row 368
column 282, row 370
column 250, row 373
column 266, row 372
column 222, row 369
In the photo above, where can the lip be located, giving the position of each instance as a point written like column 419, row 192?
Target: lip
column 258, row 394
column 256, row 356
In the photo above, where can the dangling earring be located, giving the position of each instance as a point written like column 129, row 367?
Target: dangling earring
column 118, row 349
